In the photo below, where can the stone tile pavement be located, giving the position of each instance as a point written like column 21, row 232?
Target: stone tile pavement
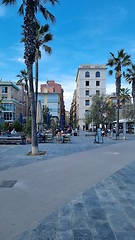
column 103, row 212
column 16, row 155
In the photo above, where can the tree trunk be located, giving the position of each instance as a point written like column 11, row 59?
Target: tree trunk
column 36, row 79
column 118, row 87
column 35, row 149
column 133, row 95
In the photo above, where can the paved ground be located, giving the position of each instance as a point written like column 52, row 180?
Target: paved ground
column 76, row 191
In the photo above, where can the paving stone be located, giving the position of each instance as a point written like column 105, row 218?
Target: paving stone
column 64, row 224
column 82, row 234
column 130, row 211
column 67, row 235
column 96, row 214
column 122, row 236
column 90, row 193
column 102, row 231
column 65, row 211
column 44, row 232
column 91, row 202
column 125, row 235
column 120, row 223
column 105, row 196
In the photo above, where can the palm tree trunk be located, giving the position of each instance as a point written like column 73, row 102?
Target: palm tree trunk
column 35, row 149
column 133, row 95
column 36, row 80
column 118, row 87
column 117, row 117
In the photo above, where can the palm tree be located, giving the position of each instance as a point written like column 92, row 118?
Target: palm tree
column 124, row 97
column 42, row 37
column 23, row 77
column 31, row 8
column 130, row 78
column 122, row 60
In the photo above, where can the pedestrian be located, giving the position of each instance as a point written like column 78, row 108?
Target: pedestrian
column 13, row 132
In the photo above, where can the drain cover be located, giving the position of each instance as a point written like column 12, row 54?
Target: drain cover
column 7, row 184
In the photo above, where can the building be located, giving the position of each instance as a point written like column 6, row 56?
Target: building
column 51, row 95
column 73, row 120
column 90, row 81
column 12, row 100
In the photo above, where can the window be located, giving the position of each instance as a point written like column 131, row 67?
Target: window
column 87, row 92
column 97, row 92
column 4, row 89
column 87, row 83
column 87, row 74
column 86, row 113
column 97, row 74
column 87, row 103
column 97, row 83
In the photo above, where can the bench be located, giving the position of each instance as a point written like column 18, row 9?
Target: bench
column 11, row 139
column 88, row 133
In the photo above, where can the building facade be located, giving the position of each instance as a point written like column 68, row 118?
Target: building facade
column 90, row 81
column 51, row 95
column 12, row 100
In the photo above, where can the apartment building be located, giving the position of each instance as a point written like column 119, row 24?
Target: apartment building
column 90, row 81
column 13, row 101
column 73, row 120
column 51, row 95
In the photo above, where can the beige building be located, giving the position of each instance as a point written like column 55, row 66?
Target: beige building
column 13, row 101
column 90, row 80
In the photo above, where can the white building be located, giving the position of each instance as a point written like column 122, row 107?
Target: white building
column 90, row 80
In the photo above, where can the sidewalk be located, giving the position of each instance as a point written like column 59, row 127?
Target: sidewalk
column 75, row 191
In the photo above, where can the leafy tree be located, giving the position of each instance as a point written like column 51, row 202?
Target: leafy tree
column 117, row 63
column 130, row 78
column 101, row 111
column 1, row 106
column 45, row 112
column 27, row 128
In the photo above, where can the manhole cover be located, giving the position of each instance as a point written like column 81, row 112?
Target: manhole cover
column 7, row 184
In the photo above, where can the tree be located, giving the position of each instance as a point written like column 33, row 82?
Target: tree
column 45, row 112
column 117, row 63
column 130, row 78
column 42, row 37
column 1, row 109
column 23, row 76
column 101, row 111
column 124, row 95
column 29, row 8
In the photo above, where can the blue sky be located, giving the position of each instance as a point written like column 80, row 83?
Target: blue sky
column 85, row 32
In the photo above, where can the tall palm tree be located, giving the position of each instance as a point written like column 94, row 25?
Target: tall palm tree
column 124, row 97
column 130, row 78
column 42, row 37
column 117, row 63
column 29, row 8
column 23, row 77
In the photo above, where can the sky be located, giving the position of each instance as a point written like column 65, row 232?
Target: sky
column 85, row 32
